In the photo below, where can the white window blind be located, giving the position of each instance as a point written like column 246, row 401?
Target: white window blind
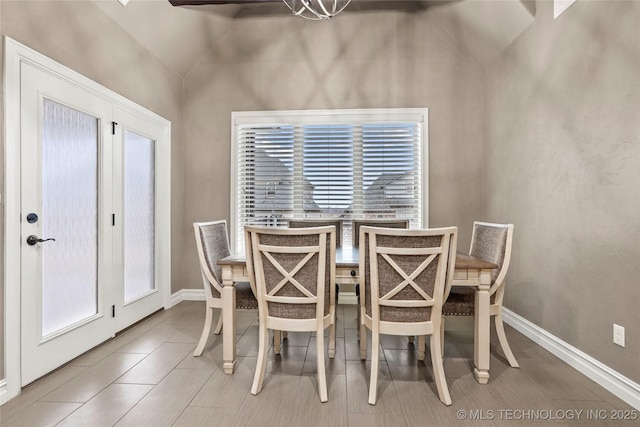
column 347, row 164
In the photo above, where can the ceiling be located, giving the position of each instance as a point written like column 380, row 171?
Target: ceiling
column 482, row 27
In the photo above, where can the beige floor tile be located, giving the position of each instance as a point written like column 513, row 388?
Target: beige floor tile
column 99, row 353
column 358, row 375
column 197, row 416
column 150, row 340
column 108, row 406
column 100, row 387
column 95, row 379
column 38, row 389
column 236, row 387
column 307, row 410
column 41, row 414
column 165, row 403
column 153, row 368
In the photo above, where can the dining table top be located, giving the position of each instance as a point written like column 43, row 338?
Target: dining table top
column 348, row 257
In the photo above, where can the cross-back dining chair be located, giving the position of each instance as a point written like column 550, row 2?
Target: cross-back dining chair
column 490, row 242
column 293, row 270
column 320, row 222
column 212, row 243
column 403, row 279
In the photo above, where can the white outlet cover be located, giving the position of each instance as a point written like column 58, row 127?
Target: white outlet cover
column 618, row 335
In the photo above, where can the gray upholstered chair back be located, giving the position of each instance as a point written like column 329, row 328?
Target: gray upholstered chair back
column 292, row 269
column 490, row 243
column 304, row 223
column 386, row 223
column 405, row 270
column 213, row 244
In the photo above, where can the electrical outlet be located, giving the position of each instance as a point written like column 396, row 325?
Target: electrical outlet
column 618, row 335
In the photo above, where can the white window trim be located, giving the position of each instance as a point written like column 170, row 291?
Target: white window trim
column 248, row 118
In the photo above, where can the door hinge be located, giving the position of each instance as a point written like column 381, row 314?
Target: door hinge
column 113, row 219
column 113, row 128
column 113, row 311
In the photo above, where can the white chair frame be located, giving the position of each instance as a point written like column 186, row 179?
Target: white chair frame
column 435, row 301
column 255, row 269
column 497, row 288
column 208, row 281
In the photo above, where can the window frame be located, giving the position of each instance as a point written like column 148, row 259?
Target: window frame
column 323, row 117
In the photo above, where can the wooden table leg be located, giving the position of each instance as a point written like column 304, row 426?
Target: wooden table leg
column 228, row 325
column 482, row 331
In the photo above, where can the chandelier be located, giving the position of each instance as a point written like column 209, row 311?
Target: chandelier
column 316, row 9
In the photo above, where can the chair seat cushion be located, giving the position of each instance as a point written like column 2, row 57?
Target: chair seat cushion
column 244, row 296
column 460, row 302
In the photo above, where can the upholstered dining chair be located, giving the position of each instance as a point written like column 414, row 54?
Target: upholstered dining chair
column 355, row 239
column 403, row 276
column 490, row 242
column 212, row 243
column 292, row 270
column 319, row 222
column 386, row 223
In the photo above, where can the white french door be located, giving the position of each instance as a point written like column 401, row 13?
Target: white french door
column 66, row 197
column 135, row 152
column 93, row 218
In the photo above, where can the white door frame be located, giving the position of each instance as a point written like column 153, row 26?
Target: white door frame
column 15, row 54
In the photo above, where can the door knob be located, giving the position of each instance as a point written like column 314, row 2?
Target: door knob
column 32, row 240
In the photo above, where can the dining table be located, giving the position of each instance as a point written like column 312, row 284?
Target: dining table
column 469, row 271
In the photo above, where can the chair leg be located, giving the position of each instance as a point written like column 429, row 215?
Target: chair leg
column 322, row 377
column 421, row 347
column 332, row 339
column 373, row 381
column 502, row 337
column 218, row 328
column 261, row 365
column 438, row 370
column 358, row 314
column 442, row 336
column 363, row 341
column 277, row 341
column 205, row 331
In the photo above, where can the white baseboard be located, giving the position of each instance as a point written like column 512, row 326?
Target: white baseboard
column 348, row 298
column 4, row 396
column 619, row 385
column 187, row 295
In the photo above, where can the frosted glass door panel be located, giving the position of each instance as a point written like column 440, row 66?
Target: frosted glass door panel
column 139, row 215
column 70, row 215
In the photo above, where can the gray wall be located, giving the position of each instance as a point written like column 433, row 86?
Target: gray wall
column 357, row 61
column 562, row 162
column 78, row 35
